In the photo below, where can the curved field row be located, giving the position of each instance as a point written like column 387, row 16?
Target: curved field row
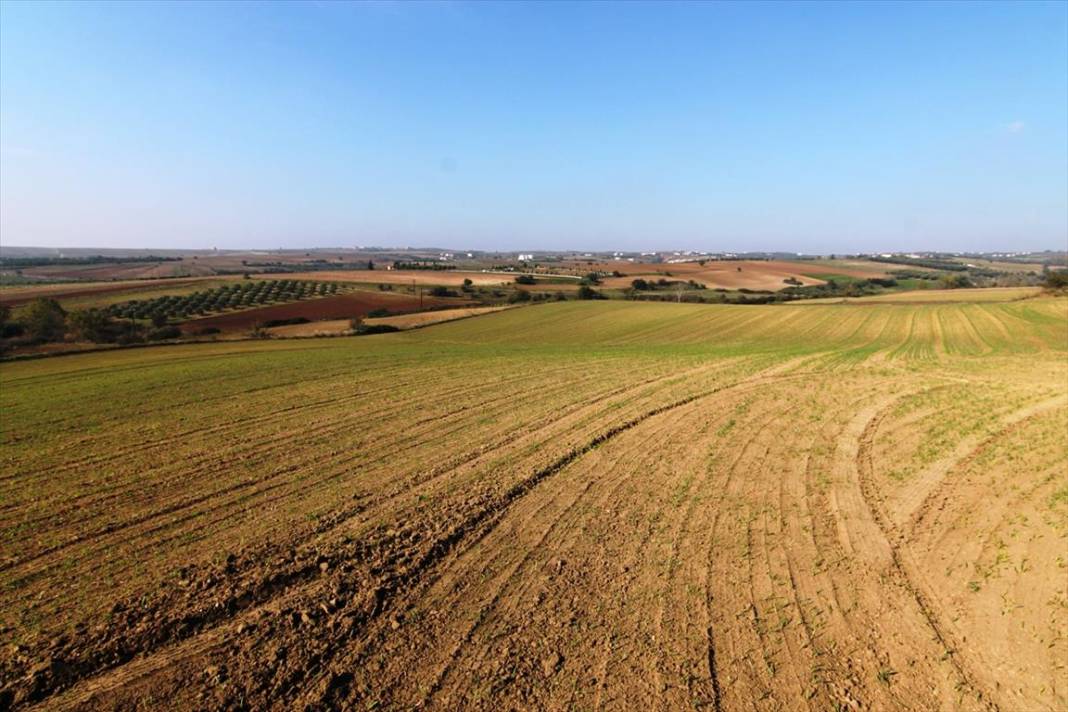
column 589, row 505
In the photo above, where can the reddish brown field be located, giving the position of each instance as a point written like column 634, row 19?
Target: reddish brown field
column 341, row 306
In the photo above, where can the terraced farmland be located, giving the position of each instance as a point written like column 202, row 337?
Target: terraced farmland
column 589, row 505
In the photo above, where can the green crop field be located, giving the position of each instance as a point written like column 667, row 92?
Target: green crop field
column 556, row 506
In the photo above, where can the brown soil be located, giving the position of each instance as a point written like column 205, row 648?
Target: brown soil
column 733, row 534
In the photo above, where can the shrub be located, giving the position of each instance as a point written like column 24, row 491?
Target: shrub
column 376, row 313
column 525, row 279
column 586, row 292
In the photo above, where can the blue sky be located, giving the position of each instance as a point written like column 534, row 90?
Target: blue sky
column 784, row 126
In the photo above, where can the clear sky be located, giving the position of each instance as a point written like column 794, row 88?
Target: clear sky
column 784, row 126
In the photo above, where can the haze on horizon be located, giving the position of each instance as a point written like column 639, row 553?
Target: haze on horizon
column 714, row 126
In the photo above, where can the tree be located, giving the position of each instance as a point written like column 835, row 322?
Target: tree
column 524, row 279
column 640, row 284
column 956, row 281
column 518, row 296
column 467, row 282
column 159, row 319
column 1056, row 278
column 44, row 320
column 8, row 328
column 370, row 264
column 90, row 325
column 586, row 292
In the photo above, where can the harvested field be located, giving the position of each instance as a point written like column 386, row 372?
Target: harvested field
column 936, row 296
column 341, row 306
column 732, row 274
column 602, row 505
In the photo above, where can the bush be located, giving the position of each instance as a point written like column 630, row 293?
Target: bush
column 441, row 292
column 208, row 331
column 283, row 322
column 11, row 330
column 376, row 313
column 525, row 279
column 585, row 292
column 165, row 332
column 640, row 284
column 363, row 329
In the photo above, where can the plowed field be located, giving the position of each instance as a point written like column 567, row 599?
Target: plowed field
column 581, row 505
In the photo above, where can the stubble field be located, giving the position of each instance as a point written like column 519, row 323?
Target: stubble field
column 581, row 505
